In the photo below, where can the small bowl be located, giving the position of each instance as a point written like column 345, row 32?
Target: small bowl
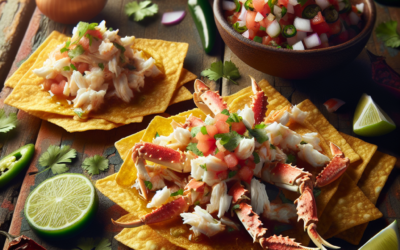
column 291, row 64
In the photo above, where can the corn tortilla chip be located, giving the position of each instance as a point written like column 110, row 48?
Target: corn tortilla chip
column 125, row 144
column 155, row 98
column 328, row 132
column 350, row 207
column 180, row 95
column 24, row 67
column 364, row 150
column 186, row 76
column 371, row 183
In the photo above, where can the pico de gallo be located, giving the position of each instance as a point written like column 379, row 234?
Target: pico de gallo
column 295, row 24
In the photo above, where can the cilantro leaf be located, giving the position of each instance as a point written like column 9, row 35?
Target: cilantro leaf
column 95, row 164
column 157, row 135
column 78, row 50
column 387, row 32
column 82, row 28
column 148, row 184
column 256, row 157
column 193, row 147
column 291, row 159
column 260, row 134
column 225, row 112
column 196, row 203
column 316, row 192
column 217, row 70
column 101, row 66
column 272, row 146
column 235, row 207
column 231, row 174
column 7, row 122
column 179, row 192
column 261, row 125
column 204, row 130
column 55, row 158
column 303, row 142
column 93, row 244
column 229, row 140
column 73, row 67
column 120, row 47
column 195, row 130
column 67, row 68
column 140, row 10
column 79, row 112
column 65, row 48
column 284, row 199
column 216, row 151
column 234, row 118
column 203, row 166
column 302, row 2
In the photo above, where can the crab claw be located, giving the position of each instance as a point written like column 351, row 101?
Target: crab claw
column 208, row 101
column 166, row 212
column 335, row 168
column 281, row 243
column 259, row 102
column 317, row 239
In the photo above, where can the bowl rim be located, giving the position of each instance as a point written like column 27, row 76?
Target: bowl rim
column 365, row 33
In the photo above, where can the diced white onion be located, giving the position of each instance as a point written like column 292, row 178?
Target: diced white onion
column 293, row 2
column 243, row 13
column 360, row 7
column 323, row 4
column 290, row 9
column 302, row 24
column 271, row 17
column 259, row 17
column 277, row 12
column 312, row 41
column 274, row 29
column 298, row 46
column 354, row 19
column 228, row 5
column 246, row 34
column 323, row 37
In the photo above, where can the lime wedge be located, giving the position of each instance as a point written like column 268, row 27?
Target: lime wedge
column 388, row 238
column 370, row 119
column 61, row 206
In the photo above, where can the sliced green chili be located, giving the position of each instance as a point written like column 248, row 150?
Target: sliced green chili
column 284, row 11
column 310, row 11
column 248, row 5
column 257, row 39
column 331, row 15
column 347, row 7
column 289, row 31
column 239, row 29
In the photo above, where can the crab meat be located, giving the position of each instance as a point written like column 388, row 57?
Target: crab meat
column 202, row 222
column 259, row 196
column 160, row 197
column 312, row 156
column 282, row 212
column 206, row 168
column 179, row 139
column 220, row 201
column 245, row 148
column 247, row 115
column 159, row 174
column 208, row 101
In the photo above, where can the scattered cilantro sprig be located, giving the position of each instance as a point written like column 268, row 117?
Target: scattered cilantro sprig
column 217, row 70
column 179, row 192
column 229, row 140
column 79, row 112
column 193, row 147
column 55, row 158
column 387, row 32
column 95, row 164
column 259, row 134
column 203, row 166
column 138, row 11
column 148, row 185
column 291, row 159
column 7, row 123
column 157, row 135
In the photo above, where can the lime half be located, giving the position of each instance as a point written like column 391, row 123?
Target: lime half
column 61, row 206
column 388, row 238
column 370, row 119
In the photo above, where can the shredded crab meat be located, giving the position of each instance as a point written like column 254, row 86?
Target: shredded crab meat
column 283, row 136
column 313, row 139
column 209, row 120
column 160, row 197
column 122, row 88
column 282, row 212
column 245, row 148
column 312, row 156
column 220, row 201
column 89, row 99
column 179, row 139
column 247, row 115
column 206, row 168
column 258, row 196
column 298, row 115
column 202, row 222
column 158, row 175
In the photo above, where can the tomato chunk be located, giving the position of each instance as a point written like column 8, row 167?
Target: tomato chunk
column 231, row 160
column 95, row 33
column 211, row 130
column 59, row 55
column 205, row 146
column 223, row 175
column 59, row 78
column 251, row 24
column 85, row 43
column 221, row 117
column 82, row 67
column 47, row 84
column 321, row 28
column 222, row 127
column 239, row 127
column 245, row 174
column 318, row 19
column 58, row 88
column 261, row 6
column 220, row 155
column 202, row 137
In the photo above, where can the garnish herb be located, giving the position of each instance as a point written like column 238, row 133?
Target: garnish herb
column 257, row 39
column 203, row 166
column 90, row 37
column 179, row 192
column 284, row 11
column 55, row 158
column 79, row 112
column 110, row 29
column 193, row 147
column 272, row 146
column 195, row 130
column 157, row 135
column 73, row 67
column 291, row 159
column 234, row 118
column 67, row 68
column 66, row 47
column 303, row 142
column 235, row 207
column 148, row 185
column 78, row 50
column 261, row 125
column 7, row 122
column 387, row 32
column 82, row 29
column 216, row 151
column 120, row 47
column 225, row 112
column 217, row 70
column 204, row 130
column 101, row 66
column 95, row 164
column 229, row 140
column 231, row 174
column 302, row 2
column 316, row 192
column 138, row 11
column 260, row 134
column 256, row 157
column 196, row 203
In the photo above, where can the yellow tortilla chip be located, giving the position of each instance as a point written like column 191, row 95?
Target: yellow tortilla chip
column 154, row 98
column 350, row 207
column 161, row 126
column 125, row 144
column 24, row 67
column 328, row 132
column 180, row 95
column 365, row 150
column 186, row 76
column 228, row 99
column 371, row 183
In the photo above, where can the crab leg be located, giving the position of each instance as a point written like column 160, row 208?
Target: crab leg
column 210, row 102
column 335, row 168
column 166, row 212
column 259, row 102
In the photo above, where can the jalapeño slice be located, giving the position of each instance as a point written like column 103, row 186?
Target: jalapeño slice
column 310, row 11
column 289, row 31
column 248, row 5
column 331, row 14
column 344, row 6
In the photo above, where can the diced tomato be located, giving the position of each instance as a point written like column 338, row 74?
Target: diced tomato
column 252, row 34
column 95, row 33
column 231, row 160
column 82, row 67
column 267, row 40
column 262, row 7
column 261, row 33
column 85, row 43
column 335, row 27
column 251, row 164
column 59, row 78
column 211, row 130
column 205, row 146
column 318, row 19
column 285, row 21
column 58, row 88
column 343, row 37
column 239, row 127
column 221, row 117
column 283, row 2
column 202, row 137
column 245, row 174
column 298, row 10
column 47, row 84
column 321, row 28
column 265, row 22
column 220, row 155
column 235, row 17
column 223, row 175
column 222, row 127
column 59, row 55
column 251, row 24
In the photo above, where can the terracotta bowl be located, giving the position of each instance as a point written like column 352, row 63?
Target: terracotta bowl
column 292, row 64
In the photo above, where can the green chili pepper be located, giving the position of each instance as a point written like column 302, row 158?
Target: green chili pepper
column 239, row 29
column 237, row 5
column 271, row 4
column 289, row 31
column 14, row 163
column 248, row 5
column 310, row 11
column 284, row 11
column 331, row 15
column 203, row 17
column 347, row 7
column 257, row 39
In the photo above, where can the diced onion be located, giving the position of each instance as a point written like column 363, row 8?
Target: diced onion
column 271, row 17
column 243, row 13
column 323, row 37
column 312, row 41
column 277, row 12
column 259, row 17
column 274, row 29
column 302, row 24
column 173, row 17
column 354, row 19
column 246, row 34
column 333, row 104
column 323, row 4
column 290, row 9
column 298, row 46
column 360, row 7
column 228, row 5
column 293, row 2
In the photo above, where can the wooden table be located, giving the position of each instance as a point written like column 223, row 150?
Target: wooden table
column 24, row 28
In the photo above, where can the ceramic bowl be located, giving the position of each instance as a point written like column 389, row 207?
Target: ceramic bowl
column 292, row 64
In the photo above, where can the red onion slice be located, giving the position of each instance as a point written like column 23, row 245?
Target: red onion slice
column 174, row 17
column 333, row 104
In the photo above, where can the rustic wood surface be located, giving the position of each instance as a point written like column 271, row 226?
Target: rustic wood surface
column 347, row 84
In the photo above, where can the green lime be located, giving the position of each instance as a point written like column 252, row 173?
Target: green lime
column 388, row 238
column 370, row 119
column 61, row 206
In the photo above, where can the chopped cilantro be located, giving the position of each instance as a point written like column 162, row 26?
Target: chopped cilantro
column 195, row 130
column 67, row 68
column 257, row 39
column 66, row 47
column 110, row 29
column 157, row 135
column 95, row 164
column 291, row 159
column 263, row 28
column 272, row 146
column 235, row 207
column 7, row 123
column 316, row 192
column 203, row 166
column 256, row 157
column 225, row 112
column 260, row 134
column 90, row 37
column 120, row 47
column 231, row 174
column 216, row 151
column 82, row 29
column 196, row 203
column 79, row 112
column 179, row 192
column 140, row 10
column 73, row 67
column 303, row 142
column 387, row 32
column 148, row 185
column 204, row 130
column 55, row 158
column 261, row 125
column 193, row 147
column 302, row 2
column 284, row 11
column 78, row 50
column 229, row 140
column 101, row 66
column 234, row 118
column 217, row 70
